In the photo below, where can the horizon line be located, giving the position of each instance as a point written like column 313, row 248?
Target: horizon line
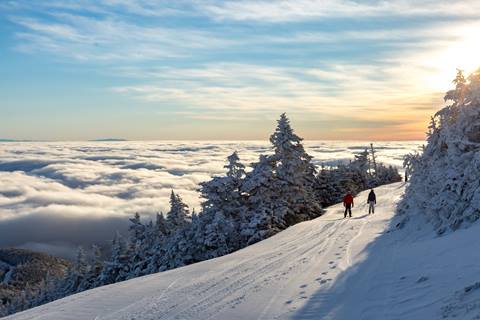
column 195, row 140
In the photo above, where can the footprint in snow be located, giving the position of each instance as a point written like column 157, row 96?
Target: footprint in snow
column 331, row 262
column 422, row 279
column 333, row 267
column 323, row 281
column 318, row 279
column 324, row 273
column 288, row 302
column 302, row 292
column 304, row 286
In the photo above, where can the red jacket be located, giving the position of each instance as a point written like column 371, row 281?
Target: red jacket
column 348, row 199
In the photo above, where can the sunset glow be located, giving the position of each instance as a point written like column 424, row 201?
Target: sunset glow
column 226, row 69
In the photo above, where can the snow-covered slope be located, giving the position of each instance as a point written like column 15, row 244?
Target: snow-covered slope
column 327, row 268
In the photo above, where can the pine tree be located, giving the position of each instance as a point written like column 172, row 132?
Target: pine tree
column 161, row 224
column 158, row 238
column 458, row 94
column 95, row 267
column 76, row 274
column 327, row 187
column 224, row 203
column 136, row 229
column 261, row 219
column 177, row 217
column 295, row 175
column 116, row 268
column 362, row 161
column 138, row 246
column 173, row 249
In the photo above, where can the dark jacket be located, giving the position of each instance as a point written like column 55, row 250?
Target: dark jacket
column 372, row 197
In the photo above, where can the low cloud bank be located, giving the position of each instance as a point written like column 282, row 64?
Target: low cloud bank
column 56, row 196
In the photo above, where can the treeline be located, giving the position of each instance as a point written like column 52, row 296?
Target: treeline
column 362, row 173
column 239, row 209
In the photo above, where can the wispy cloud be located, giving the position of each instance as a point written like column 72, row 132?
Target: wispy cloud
column 109, row 39
column 219, row 60
column 298, row 10
column 230, row 91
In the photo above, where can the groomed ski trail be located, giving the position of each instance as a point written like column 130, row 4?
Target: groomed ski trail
column 297, row 274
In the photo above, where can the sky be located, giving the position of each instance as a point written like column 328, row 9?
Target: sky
column 223, row 70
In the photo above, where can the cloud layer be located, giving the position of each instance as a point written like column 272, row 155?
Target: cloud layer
column 55, row 196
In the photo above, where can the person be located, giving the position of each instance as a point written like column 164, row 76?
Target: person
column 371, row 201
column 348, row 204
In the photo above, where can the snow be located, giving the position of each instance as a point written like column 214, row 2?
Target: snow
column 326, row 268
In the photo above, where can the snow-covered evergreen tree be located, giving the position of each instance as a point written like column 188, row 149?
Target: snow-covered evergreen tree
column 328, row 186
column 223, row 209
column 295, row 175
column 177, row 217
column 94, row 270
column 157, row 236
column 139, row 245
column 76, row 274
column 262, row 220
column 445, row 180
column 116, row 267
column 137, row 229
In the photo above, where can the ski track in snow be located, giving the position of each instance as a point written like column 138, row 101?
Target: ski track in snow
column 327, row 268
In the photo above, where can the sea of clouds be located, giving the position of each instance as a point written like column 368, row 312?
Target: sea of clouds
column 55, row 196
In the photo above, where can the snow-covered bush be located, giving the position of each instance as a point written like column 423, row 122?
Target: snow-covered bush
column 445, row 178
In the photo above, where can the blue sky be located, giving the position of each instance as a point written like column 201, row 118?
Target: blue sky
column 137, row 69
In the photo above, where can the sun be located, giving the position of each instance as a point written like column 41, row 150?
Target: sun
column 463, row 54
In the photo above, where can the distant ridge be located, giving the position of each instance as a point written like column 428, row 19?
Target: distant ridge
column 15, row 140
column 21, row 269
column 20, row 140
column 110, row 139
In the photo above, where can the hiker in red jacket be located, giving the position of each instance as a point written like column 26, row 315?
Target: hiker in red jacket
column 348, row 204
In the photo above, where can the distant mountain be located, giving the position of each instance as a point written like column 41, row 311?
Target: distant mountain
column 15, row 140
column 110, row 139
column 19, row 267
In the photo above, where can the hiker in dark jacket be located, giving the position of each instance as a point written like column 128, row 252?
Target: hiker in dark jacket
column 372, row 201
column 348, row 204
